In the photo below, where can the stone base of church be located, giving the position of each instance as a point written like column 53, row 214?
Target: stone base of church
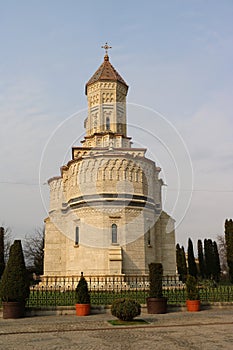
column 65, row 258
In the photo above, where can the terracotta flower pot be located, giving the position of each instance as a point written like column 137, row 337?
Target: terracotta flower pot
column 156, row 305
column 193, row 305
column 82, row 309
column 13, row 309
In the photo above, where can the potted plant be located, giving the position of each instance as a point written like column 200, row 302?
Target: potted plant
column 82, row 297
column 14, row 285
column 192, row 294
column 156, row 303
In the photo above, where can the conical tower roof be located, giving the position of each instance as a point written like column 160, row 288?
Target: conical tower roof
column 106, row 72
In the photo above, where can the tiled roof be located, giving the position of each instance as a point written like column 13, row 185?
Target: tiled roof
column 104, row 73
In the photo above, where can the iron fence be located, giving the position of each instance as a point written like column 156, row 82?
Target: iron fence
column 60, row 291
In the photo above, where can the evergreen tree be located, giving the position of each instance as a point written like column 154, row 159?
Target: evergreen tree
column 209, row 258
column 192, row 267
column 217, row 267
column 212, row 260
column 184, row 270
column 201, row 259
column 14, row 285
column 229, row 245
column 179, row 261
column 156, row 280
column 2, row 258
column 82, row 293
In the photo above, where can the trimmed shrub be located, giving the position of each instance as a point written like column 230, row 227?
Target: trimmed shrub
column 82, row 294
column 125, row 309
column 156, row 280
column 192, row 292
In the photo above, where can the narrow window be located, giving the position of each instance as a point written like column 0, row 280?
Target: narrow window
column 77, row 235
column 119, row 127
column 107, row 123
column 114, row 233
column 148, row 238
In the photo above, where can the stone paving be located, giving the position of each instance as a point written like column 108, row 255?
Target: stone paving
column 207, row 329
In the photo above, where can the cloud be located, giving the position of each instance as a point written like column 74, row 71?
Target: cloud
column 208, row 135
column 208, row 132
column 25, row 127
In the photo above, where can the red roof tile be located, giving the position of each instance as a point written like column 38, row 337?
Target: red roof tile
column 106, row 72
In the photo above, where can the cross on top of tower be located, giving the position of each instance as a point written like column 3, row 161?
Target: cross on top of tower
column 106, row 47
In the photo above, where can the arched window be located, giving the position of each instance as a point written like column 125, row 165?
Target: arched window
column 77, row 235
column 114, row 233
column 107, row 123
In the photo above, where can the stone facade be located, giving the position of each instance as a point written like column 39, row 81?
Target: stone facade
column 105, row 213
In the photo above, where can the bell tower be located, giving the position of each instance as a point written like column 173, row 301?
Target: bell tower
column 106, row 94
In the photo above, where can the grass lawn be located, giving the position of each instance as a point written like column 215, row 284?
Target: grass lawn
column 128, row 323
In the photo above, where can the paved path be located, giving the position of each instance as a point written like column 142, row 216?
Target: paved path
column 208, row 329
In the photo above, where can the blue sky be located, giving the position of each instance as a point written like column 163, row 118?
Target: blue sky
column 176, row 57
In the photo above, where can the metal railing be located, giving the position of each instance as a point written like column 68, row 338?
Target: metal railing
column 60, row 291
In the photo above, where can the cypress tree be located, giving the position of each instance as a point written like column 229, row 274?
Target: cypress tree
column 217, row 267
column 212, row 260
column 184, row 265
column 201, row 259
column 2, row 259
column 229, row 245
column 192, row 267
column 179, row 261
column 209, row 259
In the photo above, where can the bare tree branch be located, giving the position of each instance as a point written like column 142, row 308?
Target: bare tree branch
column 8, row 240
column 222, row 250
column 34, row 251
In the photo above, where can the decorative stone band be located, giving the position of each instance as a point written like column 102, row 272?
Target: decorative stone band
column 111, row 199
column 105, row 196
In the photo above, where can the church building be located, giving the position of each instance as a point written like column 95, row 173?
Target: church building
column 105, row 215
